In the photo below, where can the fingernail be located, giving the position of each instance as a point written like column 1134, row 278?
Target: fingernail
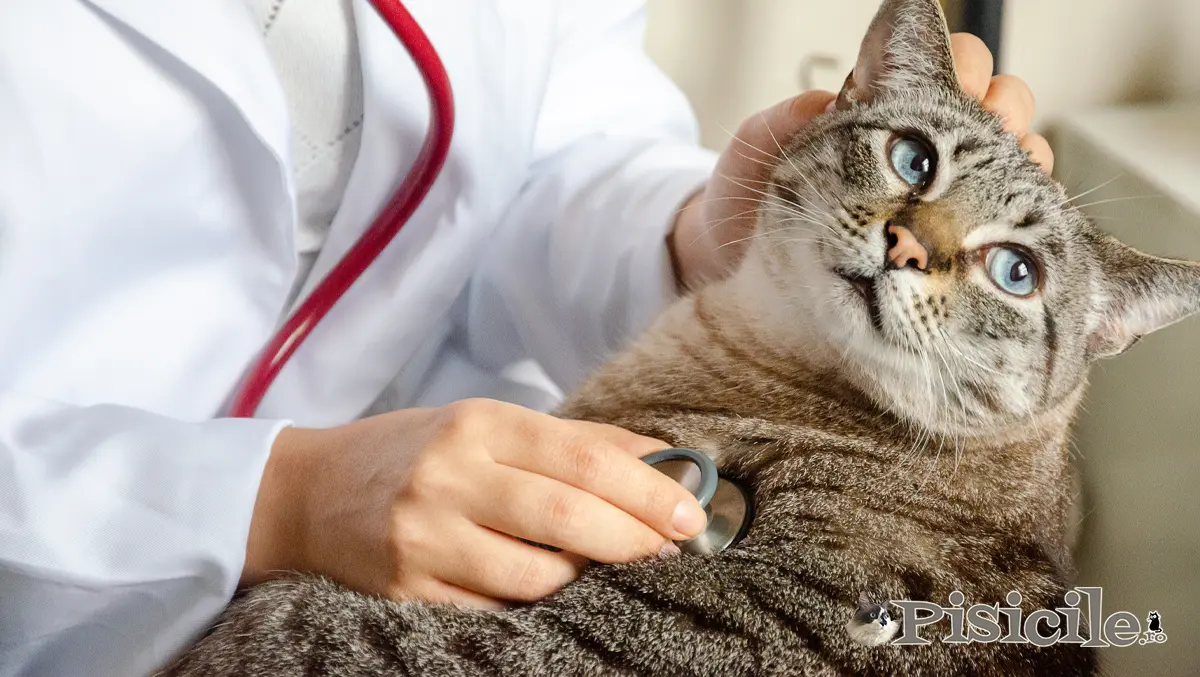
column 831, row 106
column 689, row 519
column 668, row 550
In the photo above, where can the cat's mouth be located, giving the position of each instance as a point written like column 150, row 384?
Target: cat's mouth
column 865, row 286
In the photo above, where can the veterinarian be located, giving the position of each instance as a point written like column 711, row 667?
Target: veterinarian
column 174, row 177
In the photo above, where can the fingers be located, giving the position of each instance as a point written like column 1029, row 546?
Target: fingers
column 800, row 110
column 483, row 565
column 1005, row 95
column 1011, row 99
column 438, row 592
column 573, row 455
column 635, row 444
column 530, row 506
column 973, row 62
column 1039, row 151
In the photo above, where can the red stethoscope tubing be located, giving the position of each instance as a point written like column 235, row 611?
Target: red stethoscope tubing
column 404, row 202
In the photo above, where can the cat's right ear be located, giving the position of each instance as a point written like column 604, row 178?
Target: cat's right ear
column 907, row 46
column 864, row 602
column 1138, row 294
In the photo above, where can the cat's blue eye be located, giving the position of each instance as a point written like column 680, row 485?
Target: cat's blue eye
column 1012, row 270
column 913, row 161
column 874, row 615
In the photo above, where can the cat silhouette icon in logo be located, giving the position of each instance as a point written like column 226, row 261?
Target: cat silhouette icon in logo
column 1154, row 633
column 871, row 624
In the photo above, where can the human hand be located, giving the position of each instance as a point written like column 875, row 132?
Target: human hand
column 709, row 234
column 425, row 503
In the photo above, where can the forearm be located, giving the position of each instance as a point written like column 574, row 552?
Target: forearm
column 122, row 532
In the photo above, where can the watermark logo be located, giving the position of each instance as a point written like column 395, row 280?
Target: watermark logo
column 987, row 623
column 1154, row 633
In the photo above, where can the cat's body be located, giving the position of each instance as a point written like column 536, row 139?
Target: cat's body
column 903, row 429
column 865, row 508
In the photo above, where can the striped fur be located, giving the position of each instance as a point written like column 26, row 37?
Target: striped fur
column 903, row 453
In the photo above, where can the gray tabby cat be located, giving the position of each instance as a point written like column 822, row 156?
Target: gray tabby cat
column 902, row 424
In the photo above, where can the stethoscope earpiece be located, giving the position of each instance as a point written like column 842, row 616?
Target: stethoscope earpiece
column 728, row 506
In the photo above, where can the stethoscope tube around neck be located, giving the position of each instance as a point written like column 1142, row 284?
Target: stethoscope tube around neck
column 370, row 245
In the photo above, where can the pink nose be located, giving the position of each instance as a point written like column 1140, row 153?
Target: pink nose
column 907, row 249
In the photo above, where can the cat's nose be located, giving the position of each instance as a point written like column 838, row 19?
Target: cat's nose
column 905, row 250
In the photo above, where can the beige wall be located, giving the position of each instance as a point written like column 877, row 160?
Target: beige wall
column 735, row 57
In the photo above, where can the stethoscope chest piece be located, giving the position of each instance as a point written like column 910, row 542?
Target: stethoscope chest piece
column 728, row 506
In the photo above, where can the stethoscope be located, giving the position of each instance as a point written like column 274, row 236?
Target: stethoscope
column 728, row 507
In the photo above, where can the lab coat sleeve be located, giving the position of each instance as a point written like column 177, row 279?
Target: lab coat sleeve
column 579, row 265
column 122, row 533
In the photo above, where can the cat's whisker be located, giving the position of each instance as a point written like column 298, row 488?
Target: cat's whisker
column 802, row 219
column 734, row 137
column 755, row 236
column 815, row 220
column 950, row 344
column 922, row 432
column 725, row 198
column 798, row 218
column 765, row 183
column 752, row 159
column 720, row 222
column 782, row 152
column 765, row 194
column 812, row 189
column 960, row 414
column 1090, row 190
column 1118, row 199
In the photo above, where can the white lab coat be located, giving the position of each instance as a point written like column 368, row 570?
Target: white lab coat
column 147, row 252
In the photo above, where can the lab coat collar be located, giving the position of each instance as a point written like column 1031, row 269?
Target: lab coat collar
column 220, row 41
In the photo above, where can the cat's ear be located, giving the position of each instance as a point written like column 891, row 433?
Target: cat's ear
column 907, row 46
column 1138, row 294
column 864, row 602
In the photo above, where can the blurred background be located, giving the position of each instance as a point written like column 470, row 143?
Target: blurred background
column 1118, row 93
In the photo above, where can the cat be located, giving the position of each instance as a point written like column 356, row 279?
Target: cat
column 901, row 425
column 1155, row 623
column 872, row 624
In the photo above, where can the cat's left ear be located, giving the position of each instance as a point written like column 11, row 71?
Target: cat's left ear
column 907, row 46
column 1138, row 294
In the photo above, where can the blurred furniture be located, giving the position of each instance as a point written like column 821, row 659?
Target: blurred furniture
column 1138, row 438
column 981, row 18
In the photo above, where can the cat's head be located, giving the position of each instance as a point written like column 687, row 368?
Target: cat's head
column 868, row 613
column 1014, row 294
column 871, row 624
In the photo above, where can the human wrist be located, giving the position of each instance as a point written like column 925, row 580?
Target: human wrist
column 684, row 242
column 695, row 255
column 276, row 541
